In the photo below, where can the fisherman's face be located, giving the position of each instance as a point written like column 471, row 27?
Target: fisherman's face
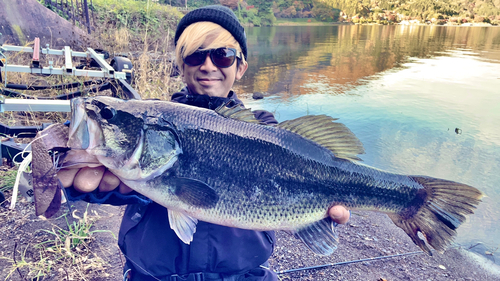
column 208, row 79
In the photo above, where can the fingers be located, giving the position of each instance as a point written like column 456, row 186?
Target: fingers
column 339, row 214
column 67, row 176
column 109, row 182
column 88, row 179
column 124, row 189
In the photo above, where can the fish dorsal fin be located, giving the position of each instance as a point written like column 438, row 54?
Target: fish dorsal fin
column 332, row 135
column 320, row 237
column 237, row 112
column 183, row 225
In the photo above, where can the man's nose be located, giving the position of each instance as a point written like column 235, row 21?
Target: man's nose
column 208, row 65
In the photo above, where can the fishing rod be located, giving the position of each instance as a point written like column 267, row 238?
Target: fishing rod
column 347, row 262
column 317, row 266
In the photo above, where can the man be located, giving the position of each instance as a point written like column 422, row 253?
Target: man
column 211, row 54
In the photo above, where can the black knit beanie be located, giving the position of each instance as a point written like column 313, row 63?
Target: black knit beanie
column 220, row 15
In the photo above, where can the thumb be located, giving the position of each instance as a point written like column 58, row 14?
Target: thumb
column 339, row 214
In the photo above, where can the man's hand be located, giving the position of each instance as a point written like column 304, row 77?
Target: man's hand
column 339, row 214
column 89, row 179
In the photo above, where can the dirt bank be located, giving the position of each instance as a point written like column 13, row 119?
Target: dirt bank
column 367, row 235
column 23, row 20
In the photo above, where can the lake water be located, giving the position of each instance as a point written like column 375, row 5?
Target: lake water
column 424, row 100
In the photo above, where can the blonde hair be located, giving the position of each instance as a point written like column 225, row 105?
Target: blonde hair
column 195, row 35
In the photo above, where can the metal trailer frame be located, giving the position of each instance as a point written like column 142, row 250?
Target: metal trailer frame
column 111, row 79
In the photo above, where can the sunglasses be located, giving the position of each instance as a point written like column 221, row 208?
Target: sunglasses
column 221, row 57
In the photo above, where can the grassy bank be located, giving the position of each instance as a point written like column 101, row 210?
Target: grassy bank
column 144, row 31
column 148, row 25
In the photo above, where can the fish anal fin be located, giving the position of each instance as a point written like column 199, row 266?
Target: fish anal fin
column 237, row 112
column 412, row 230
column 183, row 225
column 332, row 135
column 194, row 192
column 320, row 237
column 442, row 208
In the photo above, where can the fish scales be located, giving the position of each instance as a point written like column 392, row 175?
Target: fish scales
column 208, row 165
column 280, row 187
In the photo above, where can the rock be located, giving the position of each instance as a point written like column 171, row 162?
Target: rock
column 258, row 96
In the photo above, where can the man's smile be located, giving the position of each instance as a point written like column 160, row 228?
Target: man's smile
column 208, row 81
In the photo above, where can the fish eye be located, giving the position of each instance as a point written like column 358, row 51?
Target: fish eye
column 108, row 113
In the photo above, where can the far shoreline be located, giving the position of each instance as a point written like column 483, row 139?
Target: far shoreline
column 468, row 24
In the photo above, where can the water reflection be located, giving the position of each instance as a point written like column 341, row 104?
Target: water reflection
column 281, row 58
column 423, row 100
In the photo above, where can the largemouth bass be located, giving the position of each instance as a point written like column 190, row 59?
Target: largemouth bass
column 223, row 167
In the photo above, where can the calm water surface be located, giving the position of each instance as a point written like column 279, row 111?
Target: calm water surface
column 424, row 100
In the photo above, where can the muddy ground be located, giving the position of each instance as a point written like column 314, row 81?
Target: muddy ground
column 367, row 235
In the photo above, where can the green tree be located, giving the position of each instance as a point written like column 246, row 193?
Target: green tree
column 265, row 12
column 325, row 12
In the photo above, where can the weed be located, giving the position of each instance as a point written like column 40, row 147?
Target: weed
column 7, row 179
column 122, row 39
column 36, row 269
column 63, row 252
column 147, row 28
column 138, row 17
column 78, row 234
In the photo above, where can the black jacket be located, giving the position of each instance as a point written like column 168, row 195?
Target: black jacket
column 185, row 97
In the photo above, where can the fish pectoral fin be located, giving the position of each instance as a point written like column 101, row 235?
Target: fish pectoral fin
column 237, row 112
column 195, row 193
column 322, row 129
column 183, row 225
column 320, row 237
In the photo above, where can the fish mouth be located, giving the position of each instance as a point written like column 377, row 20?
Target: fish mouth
column 86, row 136
column 84, row 132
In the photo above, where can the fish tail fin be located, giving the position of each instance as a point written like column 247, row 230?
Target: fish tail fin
column 438, row 210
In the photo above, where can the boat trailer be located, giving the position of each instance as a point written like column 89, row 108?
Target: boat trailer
column 115, row 76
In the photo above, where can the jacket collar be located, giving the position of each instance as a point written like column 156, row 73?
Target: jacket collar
column 187, row 97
